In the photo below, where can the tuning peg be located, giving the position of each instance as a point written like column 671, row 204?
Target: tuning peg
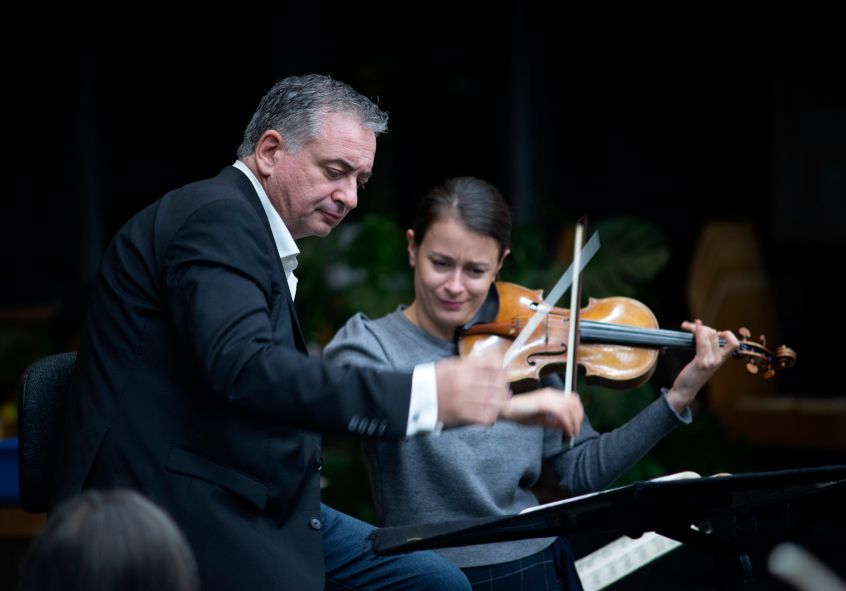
column 785, row 357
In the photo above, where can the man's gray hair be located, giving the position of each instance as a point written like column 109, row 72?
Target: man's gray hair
column 295, row 105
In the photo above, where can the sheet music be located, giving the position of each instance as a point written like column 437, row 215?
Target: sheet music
column 625, row 555
column 621, row 557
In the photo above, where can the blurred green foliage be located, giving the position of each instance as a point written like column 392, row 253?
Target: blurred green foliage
column 631, row 255
column 357, row 268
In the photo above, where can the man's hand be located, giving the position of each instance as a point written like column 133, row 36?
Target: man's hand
column 471, row 390
column 710, row 356
column 548, row 407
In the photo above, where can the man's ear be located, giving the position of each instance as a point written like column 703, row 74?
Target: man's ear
column 412, row 247
column 269, row 149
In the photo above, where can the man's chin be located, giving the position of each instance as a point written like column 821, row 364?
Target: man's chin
column 322, row 231
column 325, row 224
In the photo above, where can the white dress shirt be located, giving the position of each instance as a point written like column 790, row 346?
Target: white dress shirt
column 423, row 408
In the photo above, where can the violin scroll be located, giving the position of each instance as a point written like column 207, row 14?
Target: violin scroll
column 759, row 358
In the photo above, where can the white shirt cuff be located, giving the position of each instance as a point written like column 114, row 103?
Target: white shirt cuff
column 423, row 408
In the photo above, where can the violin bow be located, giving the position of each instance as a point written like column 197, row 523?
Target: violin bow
column 575, row 305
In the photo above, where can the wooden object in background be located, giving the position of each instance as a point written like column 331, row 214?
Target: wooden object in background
column 728, row 287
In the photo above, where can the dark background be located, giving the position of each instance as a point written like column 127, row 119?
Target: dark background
column 676, row 125
column 675, row 119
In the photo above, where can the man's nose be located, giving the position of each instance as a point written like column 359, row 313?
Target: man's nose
column 347, row 195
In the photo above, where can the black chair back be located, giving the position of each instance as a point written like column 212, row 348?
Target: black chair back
column 41, row 411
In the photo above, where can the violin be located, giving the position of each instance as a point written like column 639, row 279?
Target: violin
column 619, row 340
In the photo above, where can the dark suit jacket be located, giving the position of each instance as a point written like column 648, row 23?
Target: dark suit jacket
column 193, row 386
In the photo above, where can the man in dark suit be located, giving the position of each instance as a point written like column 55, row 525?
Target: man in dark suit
column 193, row 385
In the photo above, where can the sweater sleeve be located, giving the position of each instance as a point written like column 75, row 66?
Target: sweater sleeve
column 356, row 344
column 598, row 459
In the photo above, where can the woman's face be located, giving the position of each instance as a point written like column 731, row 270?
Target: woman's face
column 453, row 269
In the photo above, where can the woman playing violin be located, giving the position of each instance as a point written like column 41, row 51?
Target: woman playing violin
column 457, row 245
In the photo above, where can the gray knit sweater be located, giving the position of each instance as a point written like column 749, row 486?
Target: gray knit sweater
column 479, row 471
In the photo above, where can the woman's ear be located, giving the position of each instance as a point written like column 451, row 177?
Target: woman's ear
column 501, row 261
column 412, row 247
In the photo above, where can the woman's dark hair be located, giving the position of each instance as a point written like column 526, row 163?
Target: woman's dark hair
column 475, row 203
column 104, row 541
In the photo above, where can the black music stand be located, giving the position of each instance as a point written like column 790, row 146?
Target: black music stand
column 693, row 511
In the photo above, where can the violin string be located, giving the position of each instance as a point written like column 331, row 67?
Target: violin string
column 623, row 334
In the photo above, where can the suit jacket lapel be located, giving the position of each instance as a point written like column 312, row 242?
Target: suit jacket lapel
column 246, row 187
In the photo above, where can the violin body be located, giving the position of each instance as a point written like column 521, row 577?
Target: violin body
column 618, row 340
column 606, row 364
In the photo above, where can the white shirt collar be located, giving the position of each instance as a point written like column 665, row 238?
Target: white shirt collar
column 285, row 244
